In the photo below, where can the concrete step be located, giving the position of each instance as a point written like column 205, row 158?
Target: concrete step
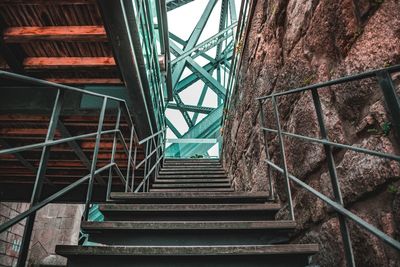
column 191, row 171
column 184, row 180
column 195, row 161
column 191, row 197
column 186, row 212
column 192, row 168
column 188, row 233
column 178, row 190
column 192, row 176
column 191, row 185
column 294, row 255
column 187, row 164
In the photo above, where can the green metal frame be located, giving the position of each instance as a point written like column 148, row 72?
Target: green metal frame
column 210, row 75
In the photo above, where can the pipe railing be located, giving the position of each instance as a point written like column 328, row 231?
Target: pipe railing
column 154, row 143
column 385, row 81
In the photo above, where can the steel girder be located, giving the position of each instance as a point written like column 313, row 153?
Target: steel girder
column 209, row 127
column 173, row 4
column 191, row 108
column 185, row 55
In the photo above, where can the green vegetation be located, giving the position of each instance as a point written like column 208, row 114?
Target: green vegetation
column 392, row 189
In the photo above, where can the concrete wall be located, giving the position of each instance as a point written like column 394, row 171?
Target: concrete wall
column 55, row 224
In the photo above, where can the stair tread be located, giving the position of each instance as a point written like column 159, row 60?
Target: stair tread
column 184, row 180
column 189, row 207
column 191, row 185
column 191, row 176
column 187, row 225
column 191, row 190
column 163, row 195
column 70, row 250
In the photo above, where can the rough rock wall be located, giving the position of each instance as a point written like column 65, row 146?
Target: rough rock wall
column 55, row 224
column 293, row 43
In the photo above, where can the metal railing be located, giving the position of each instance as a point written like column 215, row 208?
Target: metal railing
column 155, row 147
column 385, row 81
column 245, row 15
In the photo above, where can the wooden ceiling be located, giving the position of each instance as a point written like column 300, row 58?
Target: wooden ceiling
column 62, row 41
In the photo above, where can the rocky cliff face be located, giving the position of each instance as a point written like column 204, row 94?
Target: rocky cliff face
column 293, row 43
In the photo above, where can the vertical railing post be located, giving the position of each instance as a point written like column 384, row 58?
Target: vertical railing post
column 334, row 180
column 134, row 169
column 145, row 166
column 128, row 168
column 146, row 184
column 114, row 148
column 262, row 121
column 94, row 160
column 285, row 169
column 391, row 99
column 40, row 176
column 164, row 145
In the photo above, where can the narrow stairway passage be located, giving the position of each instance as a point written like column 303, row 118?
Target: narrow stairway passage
column 190, row 217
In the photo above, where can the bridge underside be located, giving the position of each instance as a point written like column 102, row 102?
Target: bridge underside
column 210, row 78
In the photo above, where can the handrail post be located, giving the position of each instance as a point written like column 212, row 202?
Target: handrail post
column 94, row 160
column 262, row 121
column 164, row 145
column 146, row 184
column 114, row 148
column 128, row 168
column 391, row 99
column 134, row 168
column 285, row 169
column 145, row 166
column 334, row 180
column 40, row 176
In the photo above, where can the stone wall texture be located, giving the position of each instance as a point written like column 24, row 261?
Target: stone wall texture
column 55, row 224
column 293, row 43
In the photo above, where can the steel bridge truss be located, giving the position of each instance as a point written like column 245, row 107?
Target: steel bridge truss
column 217, row 51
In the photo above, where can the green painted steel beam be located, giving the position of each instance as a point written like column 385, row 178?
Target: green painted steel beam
column 222, row 23
column 173, row 128
column 206, row 128
column 174, row 4
column 193, row 39
column 200, row 103
column 208, row 44
column 185, row 115
column 192, row 78
column 177, row 39
column 185, row 52
column 202, row 73
column 232, row 9
column 191, row 108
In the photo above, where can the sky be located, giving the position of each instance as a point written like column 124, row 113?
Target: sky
column 181, row 22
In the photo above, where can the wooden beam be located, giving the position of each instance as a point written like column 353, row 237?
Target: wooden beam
column 54, row 33
column 68, row 62
column 85, row 80
column 47, row 2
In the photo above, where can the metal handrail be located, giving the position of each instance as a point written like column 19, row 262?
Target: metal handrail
column 393, row 104
column 152, row 159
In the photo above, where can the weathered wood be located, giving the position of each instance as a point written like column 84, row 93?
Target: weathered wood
column 85, row 80
column 68, row 62
column 54, row 33
column 47, row 2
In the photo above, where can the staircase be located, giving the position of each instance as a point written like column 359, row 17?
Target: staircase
column 190, row 217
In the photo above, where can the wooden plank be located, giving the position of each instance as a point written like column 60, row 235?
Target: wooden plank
column 68, row 62
column 85, row 80
column 47, row 2
column 54, row 33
